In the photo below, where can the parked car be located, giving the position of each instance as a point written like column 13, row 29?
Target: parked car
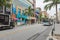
column 47, row 23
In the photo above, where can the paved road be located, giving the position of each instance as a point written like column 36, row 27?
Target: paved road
column 26, row 32
column 45, row 34
column 41, row 36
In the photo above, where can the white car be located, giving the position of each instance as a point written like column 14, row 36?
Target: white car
column 47, row 23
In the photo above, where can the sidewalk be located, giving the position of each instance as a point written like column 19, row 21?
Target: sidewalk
column 57, row 31
column 56, row 35
column 50, row 37
column 26, row 25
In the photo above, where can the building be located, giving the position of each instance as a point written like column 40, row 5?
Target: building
column 44, row 14
column 18, row 7
column 21, row 4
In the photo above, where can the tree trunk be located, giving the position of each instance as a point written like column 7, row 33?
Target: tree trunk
column 56, row 14
column 3, row 9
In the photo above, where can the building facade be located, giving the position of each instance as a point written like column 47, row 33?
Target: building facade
column 44, row 14
column 18, row 8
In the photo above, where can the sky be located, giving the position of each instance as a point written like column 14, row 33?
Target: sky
column 39, row 3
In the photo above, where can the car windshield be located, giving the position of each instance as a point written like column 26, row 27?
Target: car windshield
column 45, row 20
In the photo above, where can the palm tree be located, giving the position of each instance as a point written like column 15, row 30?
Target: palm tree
column 4, row 4
column 8, row 4
column 33, row 4
column 29, row 11
column 50, row 5
column 39, row 17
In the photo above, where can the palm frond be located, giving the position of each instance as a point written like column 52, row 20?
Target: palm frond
column 2, row 2
column 48, row 6
column 8, row 5
column 29, row 11
column 46, row 1
column 29, row 1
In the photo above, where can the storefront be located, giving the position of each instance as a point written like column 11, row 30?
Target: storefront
column 31, row 20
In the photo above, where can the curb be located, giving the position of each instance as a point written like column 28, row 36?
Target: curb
column 50, row 37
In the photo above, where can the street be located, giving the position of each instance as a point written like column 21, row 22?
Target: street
column 29, row 19
column 27, row 32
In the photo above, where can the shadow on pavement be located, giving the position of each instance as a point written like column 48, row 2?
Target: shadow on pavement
column 1, row 29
